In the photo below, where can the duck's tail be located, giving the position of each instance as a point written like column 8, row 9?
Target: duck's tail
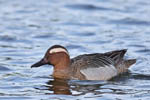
column 129, row 62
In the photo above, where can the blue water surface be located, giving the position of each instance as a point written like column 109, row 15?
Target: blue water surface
column 29, row 27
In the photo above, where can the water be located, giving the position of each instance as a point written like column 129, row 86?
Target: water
column 28, row 28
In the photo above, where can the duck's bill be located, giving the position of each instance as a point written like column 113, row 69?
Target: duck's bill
column 40, row 63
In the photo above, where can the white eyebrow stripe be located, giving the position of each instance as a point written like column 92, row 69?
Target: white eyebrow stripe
column 55, row 50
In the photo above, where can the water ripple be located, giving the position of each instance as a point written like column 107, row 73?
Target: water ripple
column 2, row 68
column 89, row 7
column 130, row 21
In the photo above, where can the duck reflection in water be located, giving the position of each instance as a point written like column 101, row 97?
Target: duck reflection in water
column 82, row 87
column 66, row 87
column 59, row 86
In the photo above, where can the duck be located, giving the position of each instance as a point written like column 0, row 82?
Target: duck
column 95, row 66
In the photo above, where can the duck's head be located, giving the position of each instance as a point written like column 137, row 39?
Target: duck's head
column 56, row 55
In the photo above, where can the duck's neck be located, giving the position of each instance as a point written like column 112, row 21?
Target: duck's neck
column 61, row 70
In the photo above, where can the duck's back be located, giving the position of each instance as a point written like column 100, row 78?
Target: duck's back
column 98, row 66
